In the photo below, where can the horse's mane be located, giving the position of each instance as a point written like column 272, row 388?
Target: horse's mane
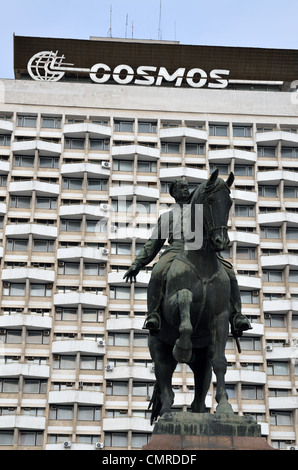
column 205, row 188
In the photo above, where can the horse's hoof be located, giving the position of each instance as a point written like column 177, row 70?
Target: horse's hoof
column 181, row 354
column 224, row 408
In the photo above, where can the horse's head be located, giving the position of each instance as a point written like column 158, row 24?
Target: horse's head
column 217, row 202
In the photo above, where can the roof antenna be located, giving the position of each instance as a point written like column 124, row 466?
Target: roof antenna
column 126, row 25
column 159, row 29
column 110, row 30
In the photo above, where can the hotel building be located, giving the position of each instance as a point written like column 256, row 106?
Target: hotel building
column 90, row 139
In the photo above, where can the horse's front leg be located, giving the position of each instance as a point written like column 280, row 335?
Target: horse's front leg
column 182, row 350
column 164, row 366
column 202, row 369
column 219, row 362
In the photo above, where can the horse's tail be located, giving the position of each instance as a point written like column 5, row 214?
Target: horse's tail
column 155, row 403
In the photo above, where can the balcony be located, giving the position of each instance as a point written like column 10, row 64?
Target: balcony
column 283, row 403
column 86, row 299
column 22, row 188
column 117, row 279
column 244, row 238
column 80, row 129
column 142, row 192
column 6, row 127
column 242, row 197
column 176, row 134
column 19, row 320
column 227, row 155
column 76, row 211
column 127, row 424
column 245, row 376
column 87, row 253
column 273, row 137
column 77, row 345
column 127, row 372
column 76, row 396
column 192, row 175
column 280, row 305
column 3, row 208
column 279, row 261
column 275, row 176
column 92, row 169
column 277, row 218
column 27, row 370
column 33, row 274
column 122, row 324
column 281, row 353
column 28, row 147
column 129, row 151
column 24, row 230
column 4, row 167
column 123, row 233
column 35, row 423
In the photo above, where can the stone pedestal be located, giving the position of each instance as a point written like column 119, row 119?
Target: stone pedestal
column 203, row 431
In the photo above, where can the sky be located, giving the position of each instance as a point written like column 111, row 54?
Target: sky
column 252, row 23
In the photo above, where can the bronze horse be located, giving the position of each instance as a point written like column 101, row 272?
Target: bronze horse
column 195, row 308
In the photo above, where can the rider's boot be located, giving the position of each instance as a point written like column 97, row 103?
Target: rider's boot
column 238, row 321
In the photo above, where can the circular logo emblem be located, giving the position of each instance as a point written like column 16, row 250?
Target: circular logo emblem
column 39, row 67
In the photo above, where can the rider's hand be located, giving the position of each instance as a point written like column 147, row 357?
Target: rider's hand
column 131, row 274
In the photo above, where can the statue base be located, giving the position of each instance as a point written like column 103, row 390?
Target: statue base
column 203, row 431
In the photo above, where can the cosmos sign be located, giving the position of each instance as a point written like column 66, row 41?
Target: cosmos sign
column 49, row 66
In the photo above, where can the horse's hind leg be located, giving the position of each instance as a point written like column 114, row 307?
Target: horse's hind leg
column 201, row 366
column 182, row 350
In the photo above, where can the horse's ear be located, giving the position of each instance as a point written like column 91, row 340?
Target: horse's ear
column 213, row 177
column 230, row 179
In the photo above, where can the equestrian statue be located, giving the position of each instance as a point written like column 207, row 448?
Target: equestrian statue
column 193, row 294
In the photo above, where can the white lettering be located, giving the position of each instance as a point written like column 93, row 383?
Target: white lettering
column 94, row 71
column 129, row 74
column 216, row 74
column 147, row 79
column 201, row 82
column 163, row 73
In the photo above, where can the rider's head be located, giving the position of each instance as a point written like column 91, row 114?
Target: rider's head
column 179, row 190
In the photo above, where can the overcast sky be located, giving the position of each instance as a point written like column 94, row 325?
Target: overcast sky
column 252, row 23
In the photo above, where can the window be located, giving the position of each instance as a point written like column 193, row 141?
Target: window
column 281, row 418
column 66, row 314
column 5, row 140
column 48, row 162
column 41, row 290
column 291, row 191
column 99, row 144
column 68, row 268
column 251, row 344
column 61, row 412
column 78, row 144
column 288, row 152
column 120, row 293
column 38, row 337
column 218, row 130
column 242, row 131
column 123, row 165
column 70, row 225
column 6, row 438
column 35, row 386
column 89, row 413
column 72, row 183
column 140, row 293
column 123, row 126
column 275, row 320
column 117, row 388
column 24, row 161
column 11, row 336
column 14, row 289
column 243, row 170
column 146, row 207
column 3, row 181
column 27, row 121
column 120, row 248
column 223, row 169
column 51, row 122
column 268, row 191
column 142, row 389
column 140, row 340
column 115, row 439
column 147, row 167
column 138, row 440
column 272, row 275
column 271, row 232
column 91, row 362
column 31, row 438
column 147, row 127
column 94, row 269
column 245, row 253
column 267, row 152
column 252, row 392
column 64, row 362
column 118, row 339
column 20, row 202
column 46, row 203
column 9, row 385
column 278, row 368
column 293, row 276
column 170, row 147
column 292, row 233
column 91, row 315
column 97, row 185
column 17, row 244
column 43, row 245
column 194, row 149
column 244, row 211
